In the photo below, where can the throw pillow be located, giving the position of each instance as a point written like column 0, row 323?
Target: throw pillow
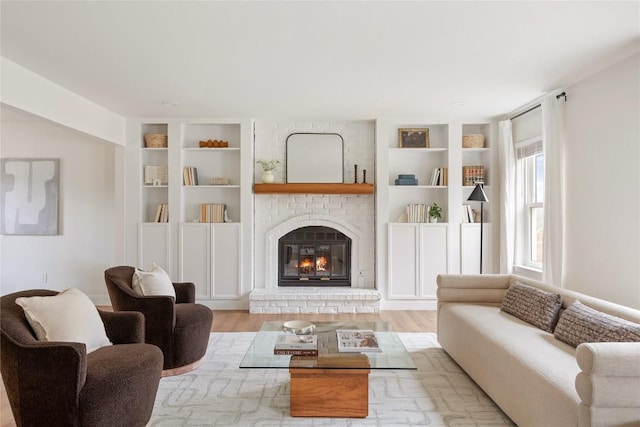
column 69, row 316
column 155, row 282
column 580, row 323
column 535, row 306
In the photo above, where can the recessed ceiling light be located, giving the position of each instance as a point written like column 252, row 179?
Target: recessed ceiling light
column 458, row 103
column 169, row 103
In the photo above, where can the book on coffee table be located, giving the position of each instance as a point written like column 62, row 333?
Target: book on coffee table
column 296, row 345
column 357, row 340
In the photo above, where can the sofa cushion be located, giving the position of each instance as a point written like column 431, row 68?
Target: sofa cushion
column 579, row 324
column 535, row 306
column 69, row 316
column 154, row 282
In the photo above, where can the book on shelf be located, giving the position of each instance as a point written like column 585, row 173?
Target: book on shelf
column 190, row 175
column 468, row 214
column 416, row 212
column 472, row 174
column 213, row 212
column 153, row 173
column 439, row 177
column 357, row 340
column 296, row 345
column 162, row 213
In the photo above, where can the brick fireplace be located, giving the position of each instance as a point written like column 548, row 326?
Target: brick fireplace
column 277, row 215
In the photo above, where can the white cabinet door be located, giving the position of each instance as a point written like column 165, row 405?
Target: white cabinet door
column 153, row 246
column 417, row 254
column 403, row 267
column 433, row 257
column 195, row 257
column 226, row 256
column 470, row 249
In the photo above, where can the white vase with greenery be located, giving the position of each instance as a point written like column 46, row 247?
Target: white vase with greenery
column 268, row 166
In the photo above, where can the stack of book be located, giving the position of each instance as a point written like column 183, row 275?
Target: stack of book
column 404, row 179
column 212, row 212
column 296, row 345
column 416, row 212
column 162, row 213
column 190, row 175
column 472, row 175
column 439, row 176
column 220, row 181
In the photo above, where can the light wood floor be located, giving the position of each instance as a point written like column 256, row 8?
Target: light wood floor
column 242, row 321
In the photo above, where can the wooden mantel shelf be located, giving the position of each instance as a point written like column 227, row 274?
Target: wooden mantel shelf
column 313, row 188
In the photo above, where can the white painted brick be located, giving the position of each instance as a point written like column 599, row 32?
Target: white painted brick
column 328, row 310
column 259, row 303
column 290, row 310
column 309, row 310
column 367, row 310
column 315, row 303
column 271, row 310
column 298, row 302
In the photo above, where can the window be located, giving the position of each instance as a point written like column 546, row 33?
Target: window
column 530, row 213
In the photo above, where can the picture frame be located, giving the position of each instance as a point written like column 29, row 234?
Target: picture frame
column 413, row 137
column 29, row 196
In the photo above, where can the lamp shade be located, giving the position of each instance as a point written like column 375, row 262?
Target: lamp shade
column 478, row 195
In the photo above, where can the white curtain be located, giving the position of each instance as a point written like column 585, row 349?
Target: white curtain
column 553, row 125
column 507, row 163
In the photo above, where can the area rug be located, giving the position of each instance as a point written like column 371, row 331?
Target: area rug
column 219, row 393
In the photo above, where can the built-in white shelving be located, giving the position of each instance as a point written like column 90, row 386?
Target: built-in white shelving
column 212, row 255
column 414, row 253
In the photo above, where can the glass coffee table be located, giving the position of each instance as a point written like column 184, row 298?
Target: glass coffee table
column 331, row 384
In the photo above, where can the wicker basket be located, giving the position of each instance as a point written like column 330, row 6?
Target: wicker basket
column 474, row 140
column 155, row 140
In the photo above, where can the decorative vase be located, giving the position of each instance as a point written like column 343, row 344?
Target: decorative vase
column 433, row 219
column 267, row 177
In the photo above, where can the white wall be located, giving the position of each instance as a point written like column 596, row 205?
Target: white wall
column 90, row 236
column 603, row 184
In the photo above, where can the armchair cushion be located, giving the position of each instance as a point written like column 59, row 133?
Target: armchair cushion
column 69, row 316
column 154, row 282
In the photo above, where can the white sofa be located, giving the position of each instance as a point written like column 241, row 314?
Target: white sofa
column 535, row 378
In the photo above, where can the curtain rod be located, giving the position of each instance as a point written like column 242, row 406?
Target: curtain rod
column 562, row 95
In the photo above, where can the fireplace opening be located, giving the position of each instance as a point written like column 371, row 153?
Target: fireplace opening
column 314, row 256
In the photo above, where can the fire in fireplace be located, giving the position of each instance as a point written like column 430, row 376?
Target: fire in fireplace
column 314, row 256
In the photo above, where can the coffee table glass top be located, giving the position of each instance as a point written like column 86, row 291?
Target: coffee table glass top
column 393, row 354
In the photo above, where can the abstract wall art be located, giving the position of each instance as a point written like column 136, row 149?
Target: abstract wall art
column 29, row 192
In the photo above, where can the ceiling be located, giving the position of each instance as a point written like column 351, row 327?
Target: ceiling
column 316, row 60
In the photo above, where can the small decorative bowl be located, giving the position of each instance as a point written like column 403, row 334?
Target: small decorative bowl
column 299, row 327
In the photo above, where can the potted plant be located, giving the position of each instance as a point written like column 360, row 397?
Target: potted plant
column 268, row 166
column 435, row 212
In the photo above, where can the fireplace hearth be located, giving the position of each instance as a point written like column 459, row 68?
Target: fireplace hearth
column 314, row 256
